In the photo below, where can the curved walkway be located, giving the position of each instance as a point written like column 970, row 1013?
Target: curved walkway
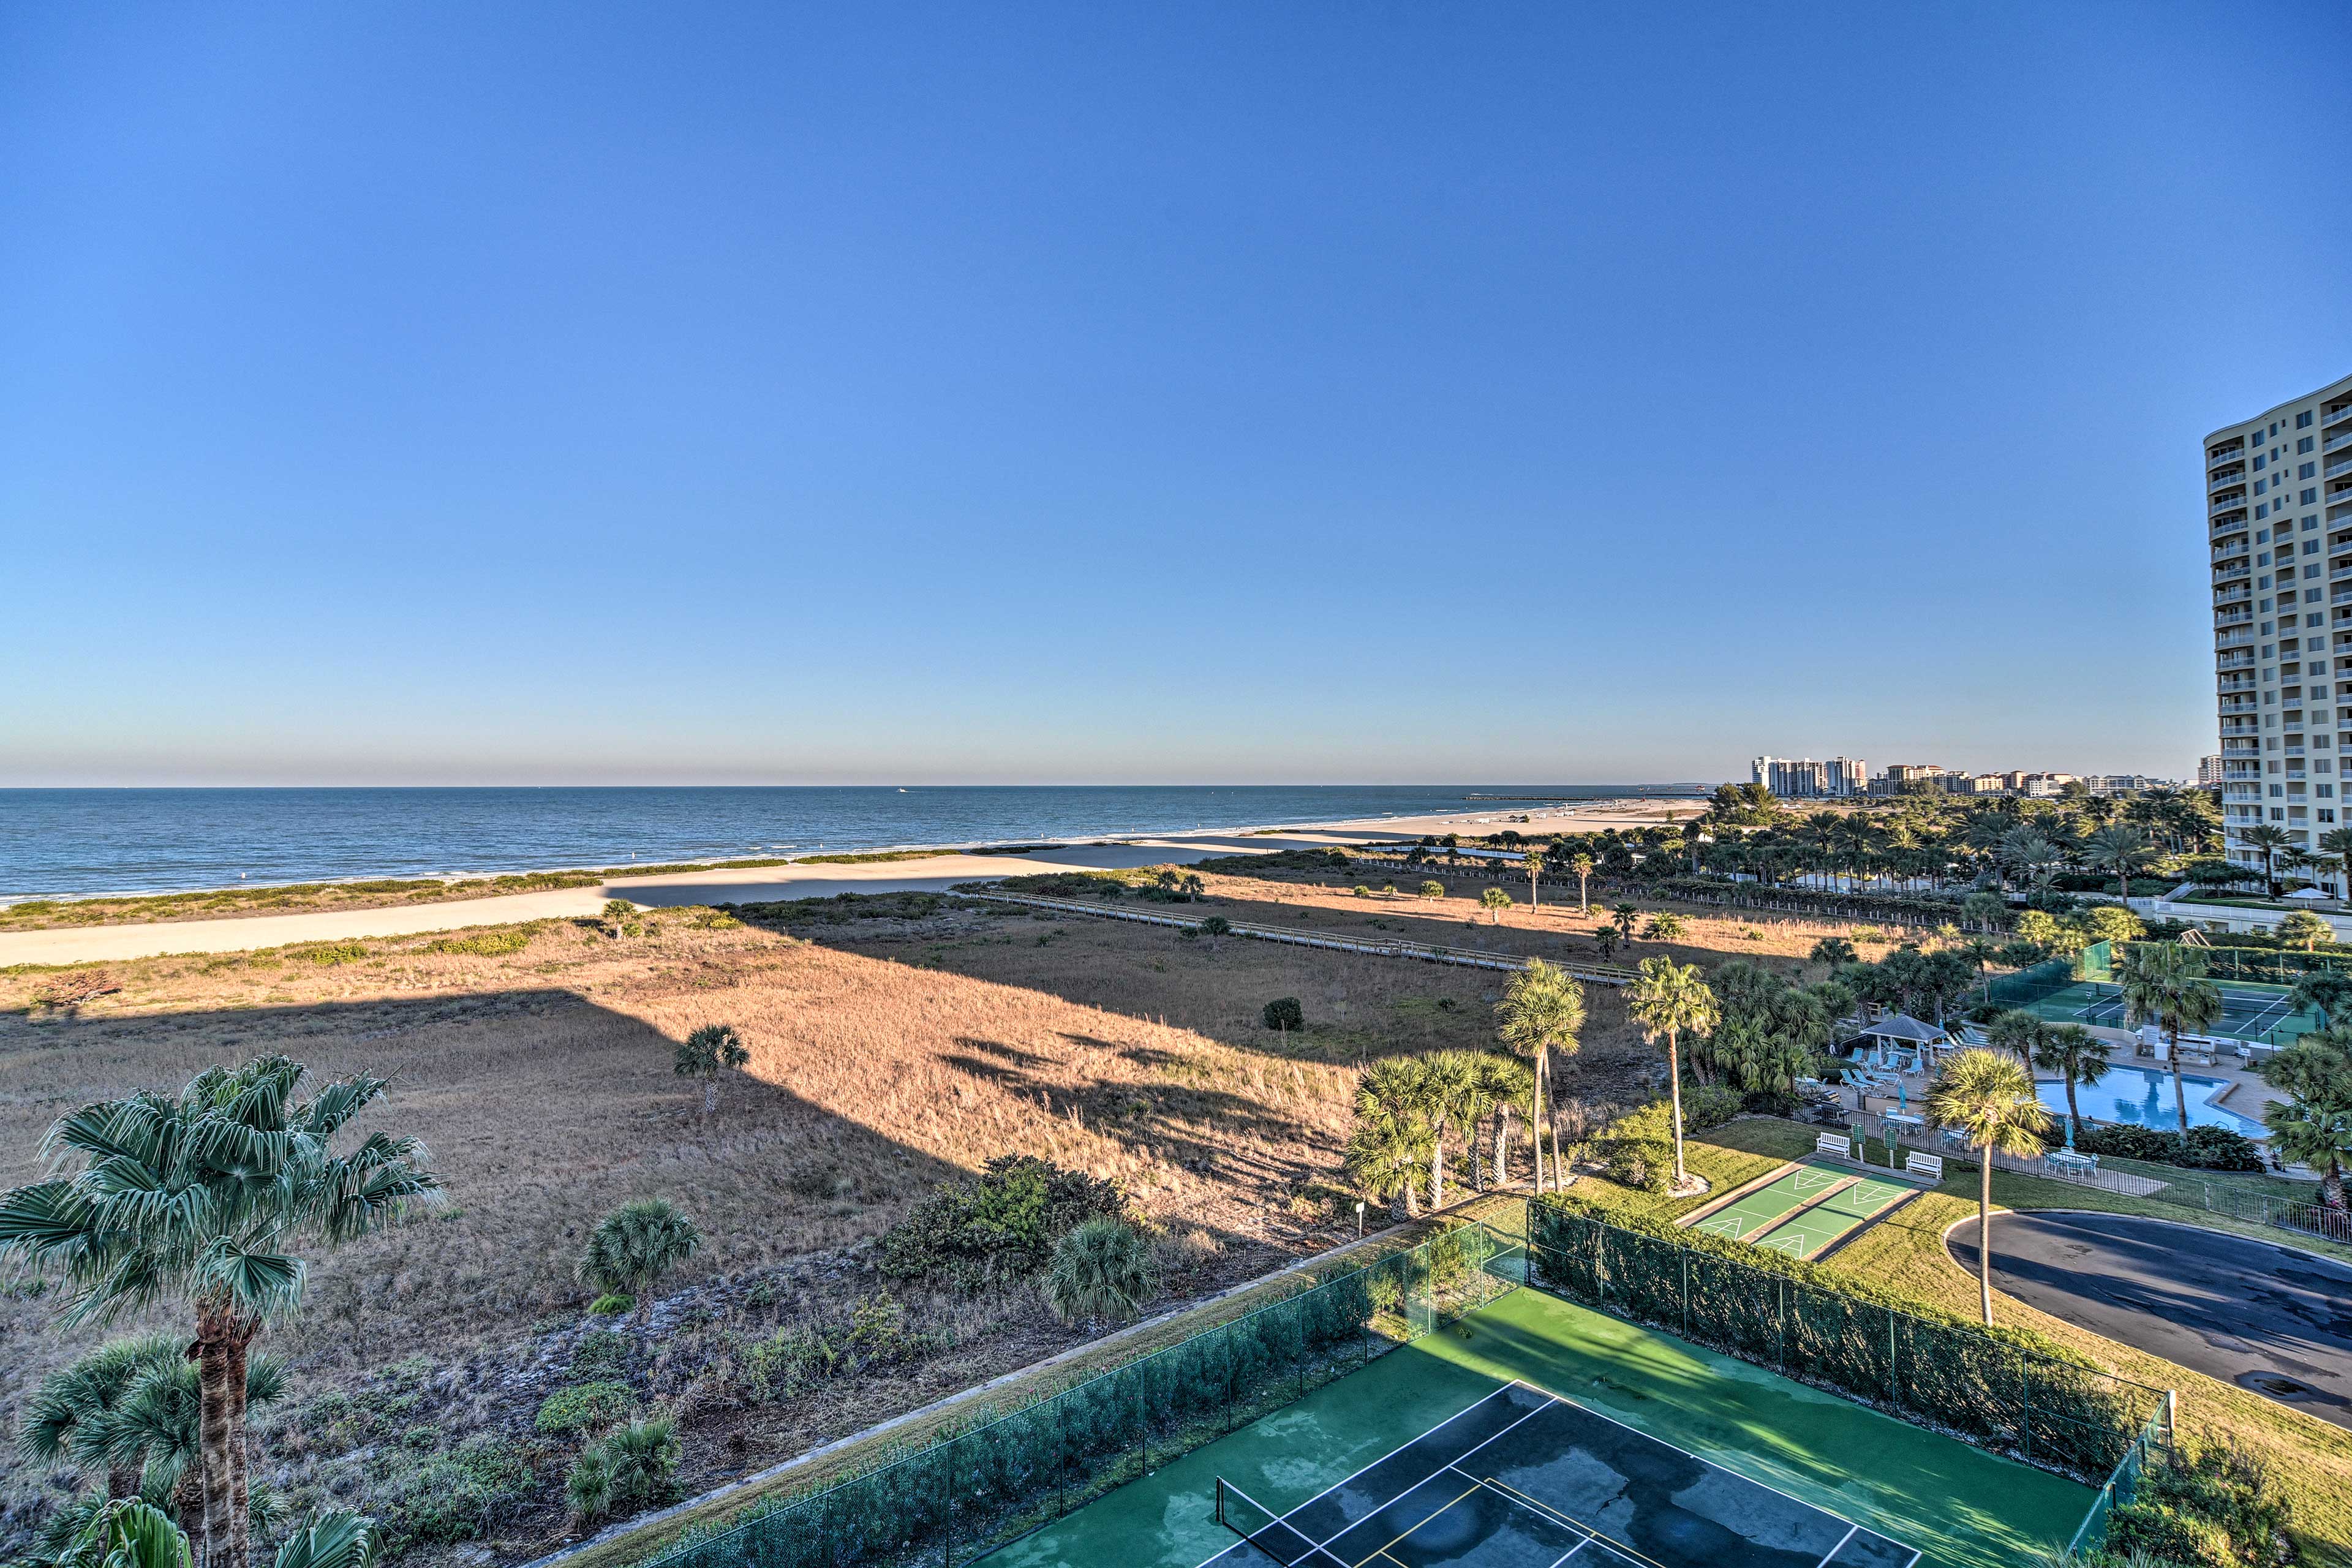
column 2268, row 1318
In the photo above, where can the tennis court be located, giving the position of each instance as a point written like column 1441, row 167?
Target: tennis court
column 1767, row 1206
column 1809, row 1231
column 2249, row 1011
column 1719, row 1420
column 1524, row 1478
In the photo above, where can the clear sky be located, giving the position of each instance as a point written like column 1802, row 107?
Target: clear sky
column 508, row 394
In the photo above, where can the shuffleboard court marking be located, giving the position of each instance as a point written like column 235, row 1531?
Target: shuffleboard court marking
column 1769, row 1205
column 1809, row 1231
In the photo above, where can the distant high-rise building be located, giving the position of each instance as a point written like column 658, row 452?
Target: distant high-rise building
column 2209, row 772
column 1801, row 778
column 2278, row 505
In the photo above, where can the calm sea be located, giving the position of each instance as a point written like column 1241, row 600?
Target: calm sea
column 84, row 842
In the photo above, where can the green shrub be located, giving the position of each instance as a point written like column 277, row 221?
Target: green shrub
column 600, row 1353
column 461, row 1494
column 632, row 1246
column 1102, row 1269
column 998, row 1227
column 585, row 1408
column 635, row 1467
column 843, row 909
column 485, row 944
column 1284, row 1013
column 2208, row 1148
column 875, row 1335
column 1706, row 1105
column 332, row 953
column 612, row 1304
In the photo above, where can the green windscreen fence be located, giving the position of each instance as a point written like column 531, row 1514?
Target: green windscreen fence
column 963, row 1495
column 2265, row 965
column 2061, row 1416
column 2096, row 961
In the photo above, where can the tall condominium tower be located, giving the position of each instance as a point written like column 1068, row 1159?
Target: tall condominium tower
column 2279, row 498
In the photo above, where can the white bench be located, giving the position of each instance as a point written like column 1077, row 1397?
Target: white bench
column 1929, row 1166
column 1835, row 1145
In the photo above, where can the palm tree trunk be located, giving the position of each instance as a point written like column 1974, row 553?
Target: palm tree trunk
column 1437, row 1166
column 215, row 1440
column 711, row 1095
column 2331, row 1186
column 2073, row 1114
column 1984, row 1235
column 1583, row 904
column 1674, row 1088
column 1502, row 1145
column 240, row 1522
column 1536, row 1110
column 2180, row 1093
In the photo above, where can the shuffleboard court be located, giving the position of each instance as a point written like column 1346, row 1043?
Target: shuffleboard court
column 1767, row 1206
column 1807, row 1231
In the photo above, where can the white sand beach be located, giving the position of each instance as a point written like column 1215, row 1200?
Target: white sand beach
column 744, row 885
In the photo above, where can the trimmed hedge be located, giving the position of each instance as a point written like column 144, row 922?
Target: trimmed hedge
column 2000, row 1388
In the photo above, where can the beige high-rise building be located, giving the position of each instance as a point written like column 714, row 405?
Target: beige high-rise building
column 2279, row 508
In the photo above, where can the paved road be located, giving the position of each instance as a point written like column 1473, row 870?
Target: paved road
column 2242, row 1312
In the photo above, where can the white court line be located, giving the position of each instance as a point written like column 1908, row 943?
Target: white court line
column 1400, row 1448
column 1851, row 1531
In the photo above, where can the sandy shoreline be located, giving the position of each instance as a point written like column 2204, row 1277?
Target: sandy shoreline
column 743, row 885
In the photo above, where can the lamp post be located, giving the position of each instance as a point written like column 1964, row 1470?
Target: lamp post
column 1359, row 1220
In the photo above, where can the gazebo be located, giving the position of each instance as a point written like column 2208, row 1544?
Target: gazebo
column 1899, row 1034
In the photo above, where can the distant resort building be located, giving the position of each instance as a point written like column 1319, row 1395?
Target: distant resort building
column 1802, row 778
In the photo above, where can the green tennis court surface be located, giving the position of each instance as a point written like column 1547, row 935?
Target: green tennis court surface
column 1805, row 1233
column 1962, row 1507
column 1767, row 1206
column 2250, row 1011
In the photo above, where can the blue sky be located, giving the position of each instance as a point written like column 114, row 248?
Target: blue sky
column 456, row 393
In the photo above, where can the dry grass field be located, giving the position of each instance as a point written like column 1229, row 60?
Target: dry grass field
column 897, row 1046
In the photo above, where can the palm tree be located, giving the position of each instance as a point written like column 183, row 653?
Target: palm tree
column 632, row 1246
column 2018, row 1032
column 1978, row 952
column 2269, row 840
column 1627, row 914
column 705, row 1054
column 2030, row 856
column 1101, row 1268
column 2122, row 848
column 1532, row 862
column 2314, row 1125
column 1605, row 939
column 1494, row 901
column 2304, row 930
column 2166, row 982
column 156, row 1432
column 2336, row 853
column 204, row 1197
column 1504, row 1084
column 1582, row 866
column 1671, row 1000
column 70, row 1404
column 1389, row 1149
column 1833, row 951
column 2329, row 991
column 1542, row 1011
column 1449, row 1094
column 1990, row 1098
column 2077, row 1054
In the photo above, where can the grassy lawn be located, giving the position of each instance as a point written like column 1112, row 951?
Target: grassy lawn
column 1905, row 1251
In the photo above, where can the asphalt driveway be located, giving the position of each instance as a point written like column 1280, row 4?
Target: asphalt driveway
column 2268, row 1318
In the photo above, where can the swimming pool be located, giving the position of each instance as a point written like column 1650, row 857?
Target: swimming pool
column 2142, row 1096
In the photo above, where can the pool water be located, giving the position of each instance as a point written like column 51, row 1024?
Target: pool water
column 2142, row 1096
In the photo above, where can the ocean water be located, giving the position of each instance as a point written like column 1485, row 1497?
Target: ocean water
column 82, row 843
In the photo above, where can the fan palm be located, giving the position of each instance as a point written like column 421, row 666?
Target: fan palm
column 1541, row 1012
column 2314, row 1126
column 1098, row 1269
column 1582, row 866
column 632, row 1246
column 1532, row 863
column 204, row 1197
column 2269, row 840
column 705, row 1054
column 1504, row 1084
column 2336, row 853
column 2326, row 990
column 67, row 1407
column 1990, row 1099
column 1390, row 1147
column 1670, row 1000
column 2164, row 983
column 2016, row 1031
column 2077, row 1054
column 2122, row 848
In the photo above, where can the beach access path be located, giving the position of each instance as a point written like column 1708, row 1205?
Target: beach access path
column 762, row 884
column 720, row 885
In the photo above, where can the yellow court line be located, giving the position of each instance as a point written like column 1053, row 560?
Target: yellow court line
column 1383, row 1550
